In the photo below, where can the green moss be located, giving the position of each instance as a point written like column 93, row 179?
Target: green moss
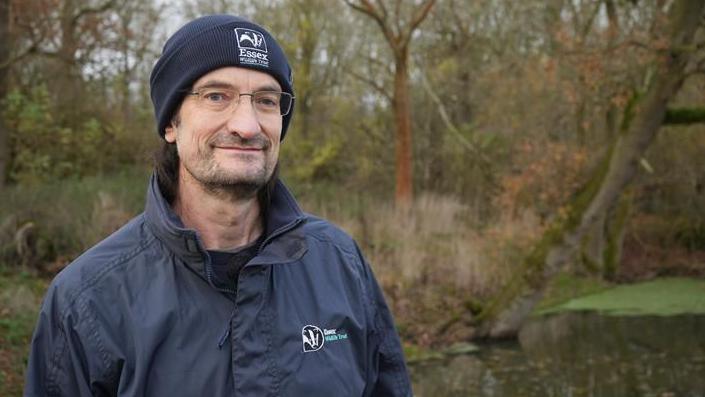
column 611, row 256
column 630, row 112
column 663, row 297
column 415, row 353
column 565, row 287
column 676, row 116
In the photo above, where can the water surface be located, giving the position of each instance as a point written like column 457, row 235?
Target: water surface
column 579, row 354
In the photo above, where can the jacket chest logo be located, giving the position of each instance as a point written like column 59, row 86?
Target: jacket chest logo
column 313, row 338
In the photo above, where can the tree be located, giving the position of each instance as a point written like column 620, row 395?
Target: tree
column 4, row 68
column 641, row 122
column 398, row 34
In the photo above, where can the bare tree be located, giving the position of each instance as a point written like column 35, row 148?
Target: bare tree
column 398, row 33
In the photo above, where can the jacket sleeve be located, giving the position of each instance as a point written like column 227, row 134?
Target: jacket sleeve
column 58, row 364
column 389, row 372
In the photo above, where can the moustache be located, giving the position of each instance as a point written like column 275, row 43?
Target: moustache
column 257, row 142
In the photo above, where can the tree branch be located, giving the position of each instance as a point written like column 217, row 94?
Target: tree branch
column 684, row 116
column 382, row 9
column 419, row 14
column 449, row 124
column 369, row 9
column 372, row 83
column 92, row 10
column 591, row 19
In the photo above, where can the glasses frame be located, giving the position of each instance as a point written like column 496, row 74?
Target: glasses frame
column 282, row 112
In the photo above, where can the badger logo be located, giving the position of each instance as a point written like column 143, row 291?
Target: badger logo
column 250, row 39
column 312, row 338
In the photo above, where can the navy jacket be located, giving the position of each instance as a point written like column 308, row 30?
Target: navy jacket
column 140, row 314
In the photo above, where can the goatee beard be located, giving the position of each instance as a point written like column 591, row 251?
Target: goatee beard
column 219, row 182
column 237, row 191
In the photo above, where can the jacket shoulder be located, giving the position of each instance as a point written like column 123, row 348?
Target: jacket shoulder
column 327, row 232
column 115, row 251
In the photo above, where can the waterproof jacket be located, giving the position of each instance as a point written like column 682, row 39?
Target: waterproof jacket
column 141, row 314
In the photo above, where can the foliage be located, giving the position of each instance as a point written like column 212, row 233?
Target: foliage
column 44, row 150
column 546, row 174
column 20, row 296
column 91, row 208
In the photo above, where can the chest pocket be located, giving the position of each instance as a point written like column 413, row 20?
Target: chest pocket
column 320, row 343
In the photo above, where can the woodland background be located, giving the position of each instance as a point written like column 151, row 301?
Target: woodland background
column 466, row 144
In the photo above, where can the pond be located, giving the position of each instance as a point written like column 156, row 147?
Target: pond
column 578, row 354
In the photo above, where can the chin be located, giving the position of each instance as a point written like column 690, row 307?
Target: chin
column 257, row 176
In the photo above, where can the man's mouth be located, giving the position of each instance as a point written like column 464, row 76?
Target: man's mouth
column 236, row 144
column 243, row 148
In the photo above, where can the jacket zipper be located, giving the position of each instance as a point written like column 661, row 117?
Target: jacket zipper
column 209, row 274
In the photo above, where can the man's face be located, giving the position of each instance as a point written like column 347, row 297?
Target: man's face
column 233, row 148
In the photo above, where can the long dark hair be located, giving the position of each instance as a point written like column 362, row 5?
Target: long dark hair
column 166, row 167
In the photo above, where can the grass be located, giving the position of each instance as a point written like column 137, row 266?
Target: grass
column 20, row 297
column 660, row 297
column 68, row 216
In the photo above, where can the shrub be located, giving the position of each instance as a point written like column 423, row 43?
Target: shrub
column 62, row 218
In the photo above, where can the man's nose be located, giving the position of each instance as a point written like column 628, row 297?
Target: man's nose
column 243, row 119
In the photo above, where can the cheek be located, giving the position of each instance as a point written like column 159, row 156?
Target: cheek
column 190, row 141
column 274, row 151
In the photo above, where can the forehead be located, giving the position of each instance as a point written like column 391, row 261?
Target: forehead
column 239, row 78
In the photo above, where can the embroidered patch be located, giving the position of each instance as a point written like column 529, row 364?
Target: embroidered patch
column 313, row 338
column 252, row 47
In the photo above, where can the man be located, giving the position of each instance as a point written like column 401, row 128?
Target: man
column 222, row 287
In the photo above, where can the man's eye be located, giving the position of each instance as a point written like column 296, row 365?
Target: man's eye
column 216, row 96
column 268, row 100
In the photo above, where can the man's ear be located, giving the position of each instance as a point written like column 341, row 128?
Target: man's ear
column 170, row 133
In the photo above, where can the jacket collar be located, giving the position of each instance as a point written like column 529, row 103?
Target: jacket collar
column 283, row 243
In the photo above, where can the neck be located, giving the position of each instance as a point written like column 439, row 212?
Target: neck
column 224, row 219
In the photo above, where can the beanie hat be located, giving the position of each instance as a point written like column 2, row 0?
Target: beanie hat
column 209, row 43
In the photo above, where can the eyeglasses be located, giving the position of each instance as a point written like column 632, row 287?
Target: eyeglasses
column 264, row 102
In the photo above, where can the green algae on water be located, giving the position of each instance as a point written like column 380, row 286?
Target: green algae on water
column 661, row 297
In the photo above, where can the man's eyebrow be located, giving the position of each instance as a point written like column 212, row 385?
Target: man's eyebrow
column 223, row 84
column 268, row 87
column 215, row 84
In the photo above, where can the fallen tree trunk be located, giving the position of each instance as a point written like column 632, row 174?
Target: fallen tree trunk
column 503, row 316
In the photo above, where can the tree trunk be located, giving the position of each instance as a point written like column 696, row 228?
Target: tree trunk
column 4, row 69
column 601, row 247
column 404, row 192
column 398, row 36
column 599, row 253
column 504, row 316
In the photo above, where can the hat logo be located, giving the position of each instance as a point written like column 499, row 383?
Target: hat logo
column 250, row 39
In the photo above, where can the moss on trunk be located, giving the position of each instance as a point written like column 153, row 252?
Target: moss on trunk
column 684, row 116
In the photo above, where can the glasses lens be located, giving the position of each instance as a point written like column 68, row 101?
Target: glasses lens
column 216, row 99
column 264, row 102
column 285, row 104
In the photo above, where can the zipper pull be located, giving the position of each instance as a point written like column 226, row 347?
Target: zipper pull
column 224, row 338
column 229, row 324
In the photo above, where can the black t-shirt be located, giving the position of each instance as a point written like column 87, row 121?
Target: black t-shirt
column 226, row 264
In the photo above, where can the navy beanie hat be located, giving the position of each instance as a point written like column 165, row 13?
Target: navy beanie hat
column 209, row 43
